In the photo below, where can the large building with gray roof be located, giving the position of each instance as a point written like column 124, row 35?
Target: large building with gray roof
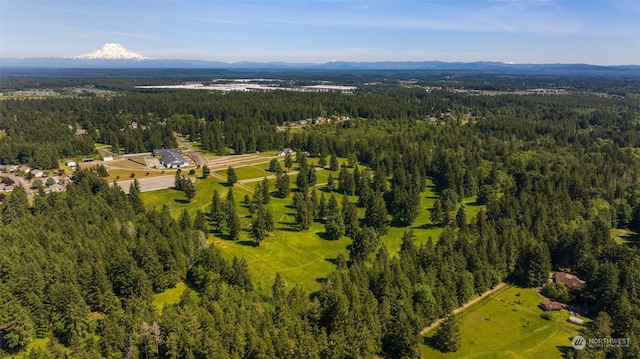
column 171, row 157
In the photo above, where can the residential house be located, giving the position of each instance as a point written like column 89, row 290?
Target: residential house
column 551, row 306
column 285, row 152
column 570, row 281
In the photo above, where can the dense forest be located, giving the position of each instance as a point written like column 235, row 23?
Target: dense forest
column 556, row 174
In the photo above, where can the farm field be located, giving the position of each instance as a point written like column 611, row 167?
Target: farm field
column 507, row 324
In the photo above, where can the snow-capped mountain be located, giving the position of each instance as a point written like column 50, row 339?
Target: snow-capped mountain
column 111, row 52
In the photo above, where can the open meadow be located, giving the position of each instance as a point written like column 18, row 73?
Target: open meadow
column 303, row 258
column 507, row 324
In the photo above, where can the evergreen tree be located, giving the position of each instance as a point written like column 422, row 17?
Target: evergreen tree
column 539, row 265
column 322, row 207
column 364, row 243
column 346, row 184
column 322, row 160
column 304, row 213
column 332, row 206
column 461, row 218
column 178, row 182
column 19, row 327
column 288, row 161
column 334, row 226
column 376, row 214
column 351, row 222
column 330, row 183
column 205, row 171
column 200, row 223
column 283, row 186
column 189, row 189
column 266, row 194
column 261, row 225
column 312, row 177
column 232, row 178
column 447, row 337
column 232, row 220
column 134, row 197
column 274, row 166
column 333, row 163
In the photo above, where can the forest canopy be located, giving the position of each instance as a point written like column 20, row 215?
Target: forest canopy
column 555, row 174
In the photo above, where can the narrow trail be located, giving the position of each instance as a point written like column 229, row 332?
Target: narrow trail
column 464, row 306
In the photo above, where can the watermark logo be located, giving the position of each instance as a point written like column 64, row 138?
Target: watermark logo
column 579, row 342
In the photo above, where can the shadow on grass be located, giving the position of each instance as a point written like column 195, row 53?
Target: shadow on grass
column 432, row 343
column 181, row 200
column 323, row 235
column 289, row 229
column 333, row 261
column 247, row 243
column 426, row 226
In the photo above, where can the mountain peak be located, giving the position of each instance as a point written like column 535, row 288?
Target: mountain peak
column 111, row 51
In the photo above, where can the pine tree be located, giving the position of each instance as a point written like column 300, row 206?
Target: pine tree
column 134, row 197
column 333, row 163
column 205, row 171
column 332, row 206
column 322, row 207
column 232, row 178
column 364, row 243
column 304, row 214
column 447, row 337
column 265, row 193
column 261, row 225
column 334, row 226
column 177, row 183
column 274, row 166
column 200, row 223
column 288, row 162
column 461, row 218
column 351, row 222
column 330, row 183
column 185, row 220
column 312, row 177
column 189, row 189
column 233, row 220
column 376, row 215
column 346, row 184
column 322, row 160
column 283, row 185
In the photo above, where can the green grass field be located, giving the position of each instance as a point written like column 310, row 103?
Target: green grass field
column 168, row 297
column 507, row 324
column 301, row 257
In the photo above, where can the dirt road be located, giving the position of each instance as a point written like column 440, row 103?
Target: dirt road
column 464, row 306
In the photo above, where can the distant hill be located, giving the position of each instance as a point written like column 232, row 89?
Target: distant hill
column 86, row 62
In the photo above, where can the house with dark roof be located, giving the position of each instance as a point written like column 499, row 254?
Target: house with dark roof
column 550, row 306
column 171, row 157
column 570, row 281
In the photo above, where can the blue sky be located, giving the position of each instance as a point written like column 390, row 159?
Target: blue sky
column 605, row 32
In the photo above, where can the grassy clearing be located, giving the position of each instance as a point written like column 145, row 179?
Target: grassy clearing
column 168, row 297
column 507, row 324
column 302, row 257
column 626, row 236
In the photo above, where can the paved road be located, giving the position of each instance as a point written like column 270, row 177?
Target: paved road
column 191, row 151
column 19, row 180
